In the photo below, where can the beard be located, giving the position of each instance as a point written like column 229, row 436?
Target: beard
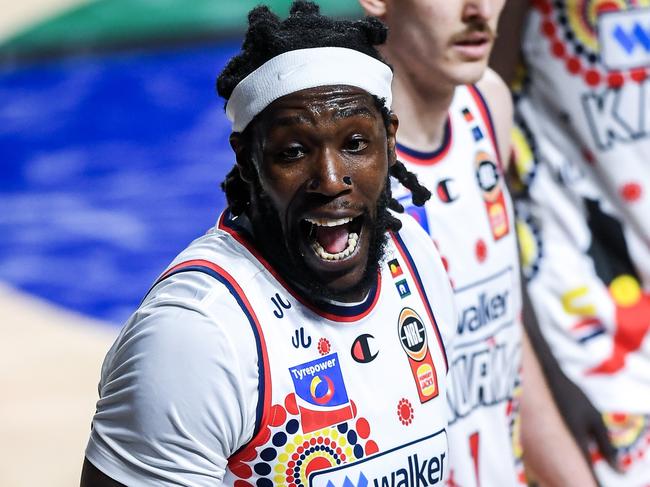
column 282, row 251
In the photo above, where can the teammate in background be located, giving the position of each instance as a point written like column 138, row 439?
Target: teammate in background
column 301, row 341
column 454, row 133
column 582, row 147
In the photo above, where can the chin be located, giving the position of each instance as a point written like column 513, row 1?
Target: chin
column 468, row 73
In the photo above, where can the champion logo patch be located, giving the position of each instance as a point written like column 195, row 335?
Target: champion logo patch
column 445, row 189
column 364, row 349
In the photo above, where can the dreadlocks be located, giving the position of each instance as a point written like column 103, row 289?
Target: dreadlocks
column 305, row 28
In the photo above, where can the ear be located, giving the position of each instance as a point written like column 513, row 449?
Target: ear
column 242, row 155
column 391, row 136
column 376, row 8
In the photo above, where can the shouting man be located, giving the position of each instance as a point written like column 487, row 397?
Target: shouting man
column 302, row 340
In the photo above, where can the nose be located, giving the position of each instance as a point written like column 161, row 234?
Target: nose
column 478, row 10
column 330, row 175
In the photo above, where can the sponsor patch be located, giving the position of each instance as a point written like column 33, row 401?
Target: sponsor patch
column 321, row 396
column 485, row 307
column 624, row 38
column 413, row 336
column 445, row 189
column 488, row 179
column 421, row 463
column 364, row 349
column 403, row 288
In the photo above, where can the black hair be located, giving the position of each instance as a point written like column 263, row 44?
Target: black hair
column 267, row 36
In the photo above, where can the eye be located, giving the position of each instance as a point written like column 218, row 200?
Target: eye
column 292, row 152
column 356, row 144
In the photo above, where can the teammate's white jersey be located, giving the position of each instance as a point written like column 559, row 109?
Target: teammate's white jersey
column 585, row 113
column 470, row 219
column 227, row 374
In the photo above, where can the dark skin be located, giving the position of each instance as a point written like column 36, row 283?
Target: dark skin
column 305, row 148
column 322, row 153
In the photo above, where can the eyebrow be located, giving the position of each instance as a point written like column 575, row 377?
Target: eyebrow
column 290, row 120
column 353, row 112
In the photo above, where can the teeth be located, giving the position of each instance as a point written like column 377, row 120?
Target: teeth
column 353, row 239
column 326, row 222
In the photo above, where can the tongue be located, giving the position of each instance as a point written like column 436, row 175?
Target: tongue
column 332, row 239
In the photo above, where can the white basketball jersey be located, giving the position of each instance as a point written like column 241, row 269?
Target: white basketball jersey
column 581, row 150
column 586, row 114
column 345, row 394
column 360, row 397
column 470, row 219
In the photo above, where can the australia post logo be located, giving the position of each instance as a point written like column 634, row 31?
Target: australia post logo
column 485, row 306
column 320, row 393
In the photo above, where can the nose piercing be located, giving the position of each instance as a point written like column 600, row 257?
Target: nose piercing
column 313, row 184
column 347, row 180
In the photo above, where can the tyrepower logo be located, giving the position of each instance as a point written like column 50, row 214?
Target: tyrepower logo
column 320, row 393
column 421, row 463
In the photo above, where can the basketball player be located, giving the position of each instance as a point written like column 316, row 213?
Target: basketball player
column 302, row 340
column 454, row 134
column 582, row 145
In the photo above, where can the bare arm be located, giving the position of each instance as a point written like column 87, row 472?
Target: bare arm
column 580, row 416
column 91, row 476
column 550, row 452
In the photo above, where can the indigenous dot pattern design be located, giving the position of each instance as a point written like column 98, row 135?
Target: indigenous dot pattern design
column 324, row 346
column 530, row 241
column 405, row 411
column 630, row 435
column 481, row 250
column 570, row 26
column 287, row 457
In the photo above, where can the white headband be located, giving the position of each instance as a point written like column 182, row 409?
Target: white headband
column 306, row 68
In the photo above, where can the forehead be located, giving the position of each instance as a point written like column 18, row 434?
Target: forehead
column 332, row 102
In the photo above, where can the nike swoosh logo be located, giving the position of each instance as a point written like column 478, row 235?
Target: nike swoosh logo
column 286, row 74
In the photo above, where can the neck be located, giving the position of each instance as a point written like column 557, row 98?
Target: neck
column 422, row 106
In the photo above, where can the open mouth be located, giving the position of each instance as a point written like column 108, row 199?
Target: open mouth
column 333, row 239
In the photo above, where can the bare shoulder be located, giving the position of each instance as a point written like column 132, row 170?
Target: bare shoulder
column 499, row 101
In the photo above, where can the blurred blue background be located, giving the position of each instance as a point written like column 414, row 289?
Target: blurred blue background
column 113, row 145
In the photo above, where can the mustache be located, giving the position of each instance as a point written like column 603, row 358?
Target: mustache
column 475, row 27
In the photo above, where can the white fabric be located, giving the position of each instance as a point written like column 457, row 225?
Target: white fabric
column 584, row 111
column 179, row 388
column 485, row 358
column 306, row 68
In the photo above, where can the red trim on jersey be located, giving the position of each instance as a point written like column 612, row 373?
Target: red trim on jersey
column 407, row 259
column 484, row 109
column 330, row 316
column 423, row 159
column 260, row 437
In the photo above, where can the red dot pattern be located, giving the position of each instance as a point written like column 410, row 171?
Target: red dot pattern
column 481, row 250
column 631, row 192
column 592, row 76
